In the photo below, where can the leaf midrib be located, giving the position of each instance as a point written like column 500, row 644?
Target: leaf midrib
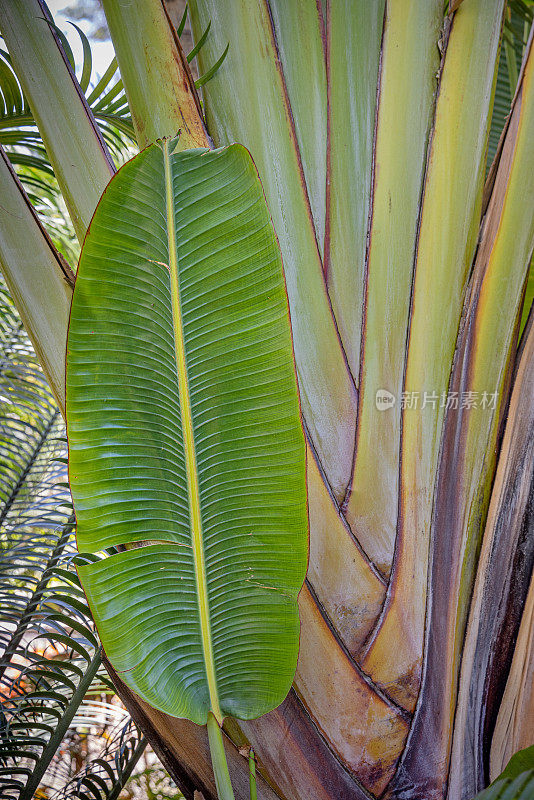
column 189, row 446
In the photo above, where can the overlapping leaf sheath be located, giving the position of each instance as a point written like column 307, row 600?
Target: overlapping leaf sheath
column 408, row 79
column 513, row 729
column 513, row 500
column 504, row 571
column 255, row 105
column 406, row 132
column 353, row 33
column 155, row 73
column 46, row 275
column 449, row 224
column 184, row 430
column 486, row 355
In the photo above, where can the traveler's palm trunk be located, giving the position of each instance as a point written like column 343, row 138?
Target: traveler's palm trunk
column 368, row 123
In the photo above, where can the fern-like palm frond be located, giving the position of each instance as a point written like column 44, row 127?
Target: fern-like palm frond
column 18, row 131
column 518, row 21
column 105, row 96
column 47, row 643
column 183, row 25
column 29, row 417
column 105, row 773
column 23, row 144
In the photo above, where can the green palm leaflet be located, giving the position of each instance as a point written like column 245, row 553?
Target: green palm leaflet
column 185, row 437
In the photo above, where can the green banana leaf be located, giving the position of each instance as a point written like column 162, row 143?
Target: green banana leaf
column 185, row 438
column 517, row 780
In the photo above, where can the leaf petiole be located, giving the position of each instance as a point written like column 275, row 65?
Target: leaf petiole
column 252, row 774
column 218, row 760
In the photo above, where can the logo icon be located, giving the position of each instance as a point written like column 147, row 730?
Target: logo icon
column 384, row 400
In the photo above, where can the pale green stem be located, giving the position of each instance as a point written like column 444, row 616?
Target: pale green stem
column 252, row 774
column 157, row 81
column 34, row 271
column 79, row 157
column 63, row 726
column 218, row 760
